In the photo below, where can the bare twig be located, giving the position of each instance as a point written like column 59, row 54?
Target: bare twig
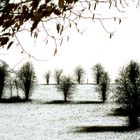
column 23, row 50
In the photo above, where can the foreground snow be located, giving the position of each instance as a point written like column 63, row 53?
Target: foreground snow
column 38, row 120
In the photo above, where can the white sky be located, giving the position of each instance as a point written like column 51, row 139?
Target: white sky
column 86, row 50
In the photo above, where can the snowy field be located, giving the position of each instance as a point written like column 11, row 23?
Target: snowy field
column 40, row 120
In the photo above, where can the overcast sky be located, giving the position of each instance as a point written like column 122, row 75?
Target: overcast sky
column 92, row 47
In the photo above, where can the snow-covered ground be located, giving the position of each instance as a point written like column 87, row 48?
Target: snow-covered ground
column 38, row 120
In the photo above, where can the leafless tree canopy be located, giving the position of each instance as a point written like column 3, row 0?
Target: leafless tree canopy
column 33, row 16
column 79, row 73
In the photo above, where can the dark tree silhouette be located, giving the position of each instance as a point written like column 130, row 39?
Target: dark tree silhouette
column 128, row 91
column 97, row 70
column 3, row 76
column 26, row 78
column 103, row 85
column 79, row 73
column 47, row 77
column 57, row 75
column 66, row 86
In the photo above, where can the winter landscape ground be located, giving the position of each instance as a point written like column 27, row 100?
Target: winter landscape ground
column 45, row 119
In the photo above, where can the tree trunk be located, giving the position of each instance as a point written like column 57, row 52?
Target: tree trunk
column 104, row 93
column 27, row 92
column 103, row 96
column 65, row 97
column 1, row 90
column 133, row 120
column 133, row 115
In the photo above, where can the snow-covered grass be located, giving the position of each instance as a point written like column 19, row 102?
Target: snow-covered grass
column 38, row 120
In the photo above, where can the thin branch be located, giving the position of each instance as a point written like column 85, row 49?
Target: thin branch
column 12, row 69
column 30, row 56
column 110, row 33
column 49, row 34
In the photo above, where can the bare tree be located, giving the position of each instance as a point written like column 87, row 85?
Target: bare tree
column 79, row 73
column 47, row 77
column 3, row 76
column 10, row 85
column 66, row 86
column 26, row 78
column 17, row 86
column 57, row 75
column 103, row 86
column 97, row 71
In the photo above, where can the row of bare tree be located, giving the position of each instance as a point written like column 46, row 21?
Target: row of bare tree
column 127, row 85
column 25, row 78
column 79, row 74
column 67, row 84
